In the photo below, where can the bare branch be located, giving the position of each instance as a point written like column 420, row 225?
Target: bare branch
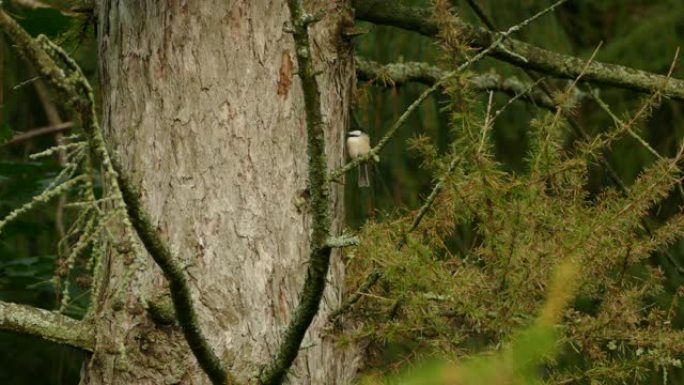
column 433, row 194
column 46, row 130
column 481, row 14
column 395, row 74
column 47, row 325
column 516, row 52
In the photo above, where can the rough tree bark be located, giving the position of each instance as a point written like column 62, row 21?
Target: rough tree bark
column 202, row 105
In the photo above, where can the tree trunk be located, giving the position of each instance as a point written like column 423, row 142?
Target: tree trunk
column 202, row 105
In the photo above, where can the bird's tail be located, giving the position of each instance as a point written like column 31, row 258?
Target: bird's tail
column 363, row 175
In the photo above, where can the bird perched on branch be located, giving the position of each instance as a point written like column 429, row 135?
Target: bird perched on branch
column 358, row 144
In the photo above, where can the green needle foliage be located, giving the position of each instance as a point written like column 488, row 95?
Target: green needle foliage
column 519, row 361
column 478, row 268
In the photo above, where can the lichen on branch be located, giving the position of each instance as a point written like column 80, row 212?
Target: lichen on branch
column 46, row 324
column 319, row 249
column 396, row 74
column 419, row 19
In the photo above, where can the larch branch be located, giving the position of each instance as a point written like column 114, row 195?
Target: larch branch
column 374, row 276
column 396, row 74
column 396, row 13
column 47, row 325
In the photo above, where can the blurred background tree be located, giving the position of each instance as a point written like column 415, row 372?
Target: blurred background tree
column 637, row 33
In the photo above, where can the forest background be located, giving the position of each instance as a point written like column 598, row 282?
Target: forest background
column 641, row 34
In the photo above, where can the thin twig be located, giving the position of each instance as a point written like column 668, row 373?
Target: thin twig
column 513, row 99
column 481, row 14
column 46, row 130
column 433, row 194
column 620, row 125
column 25, row 82
column 368, row 282
column 487, row 123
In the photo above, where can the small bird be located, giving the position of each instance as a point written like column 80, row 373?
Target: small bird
column 358, row 144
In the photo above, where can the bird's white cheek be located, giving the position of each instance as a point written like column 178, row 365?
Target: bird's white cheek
column 352, row 148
